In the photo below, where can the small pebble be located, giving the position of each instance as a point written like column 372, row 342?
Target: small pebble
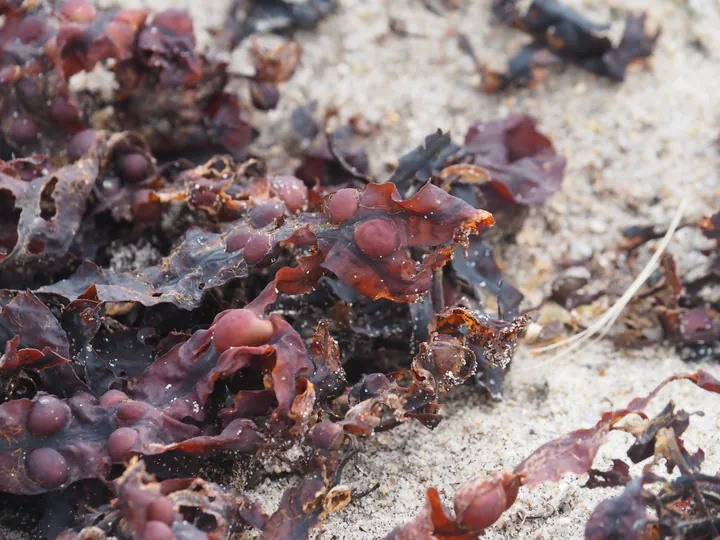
column 580, row 250
column 598, row 226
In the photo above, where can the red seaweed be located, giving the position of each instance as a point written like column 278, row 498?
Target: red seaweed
column 481, row 501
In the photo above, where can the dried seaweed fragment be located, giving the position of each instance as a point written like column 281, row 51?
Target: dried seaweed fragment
column 32, row 336
column 526, row 69
column 504, row 166
column 495, row 337
column 334, row 160
column 686, row 319
column 318, row 494
column 167, row 90
column 685, row 310
column 710, row 226
column 618, row 475
column 477, row 269
column 172, row 509
column 416, row 166
column 621, row 517
column 561, row 34
column 447, row 359
column 521, row 162
column 246, row 17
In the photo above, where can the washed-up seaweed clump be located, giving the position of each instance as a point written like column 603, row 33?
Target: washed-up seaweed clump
column 685, row 308
column 166, row 88
column 676, row 306
column 506, row 166
column 561, row 35
column 681, row 505
column 690, row 314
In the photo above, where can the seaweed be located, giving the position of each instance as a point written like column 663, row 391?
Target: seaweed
column 478, row 503
column 167, row 90
column 562, row 35
column 687, row 317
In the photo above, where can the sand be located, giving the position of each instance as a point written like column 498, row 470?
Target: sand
column 633, row 151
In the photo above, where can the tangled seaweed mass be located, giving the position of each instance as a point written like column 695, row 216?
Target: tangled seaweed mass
column 481, row 501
